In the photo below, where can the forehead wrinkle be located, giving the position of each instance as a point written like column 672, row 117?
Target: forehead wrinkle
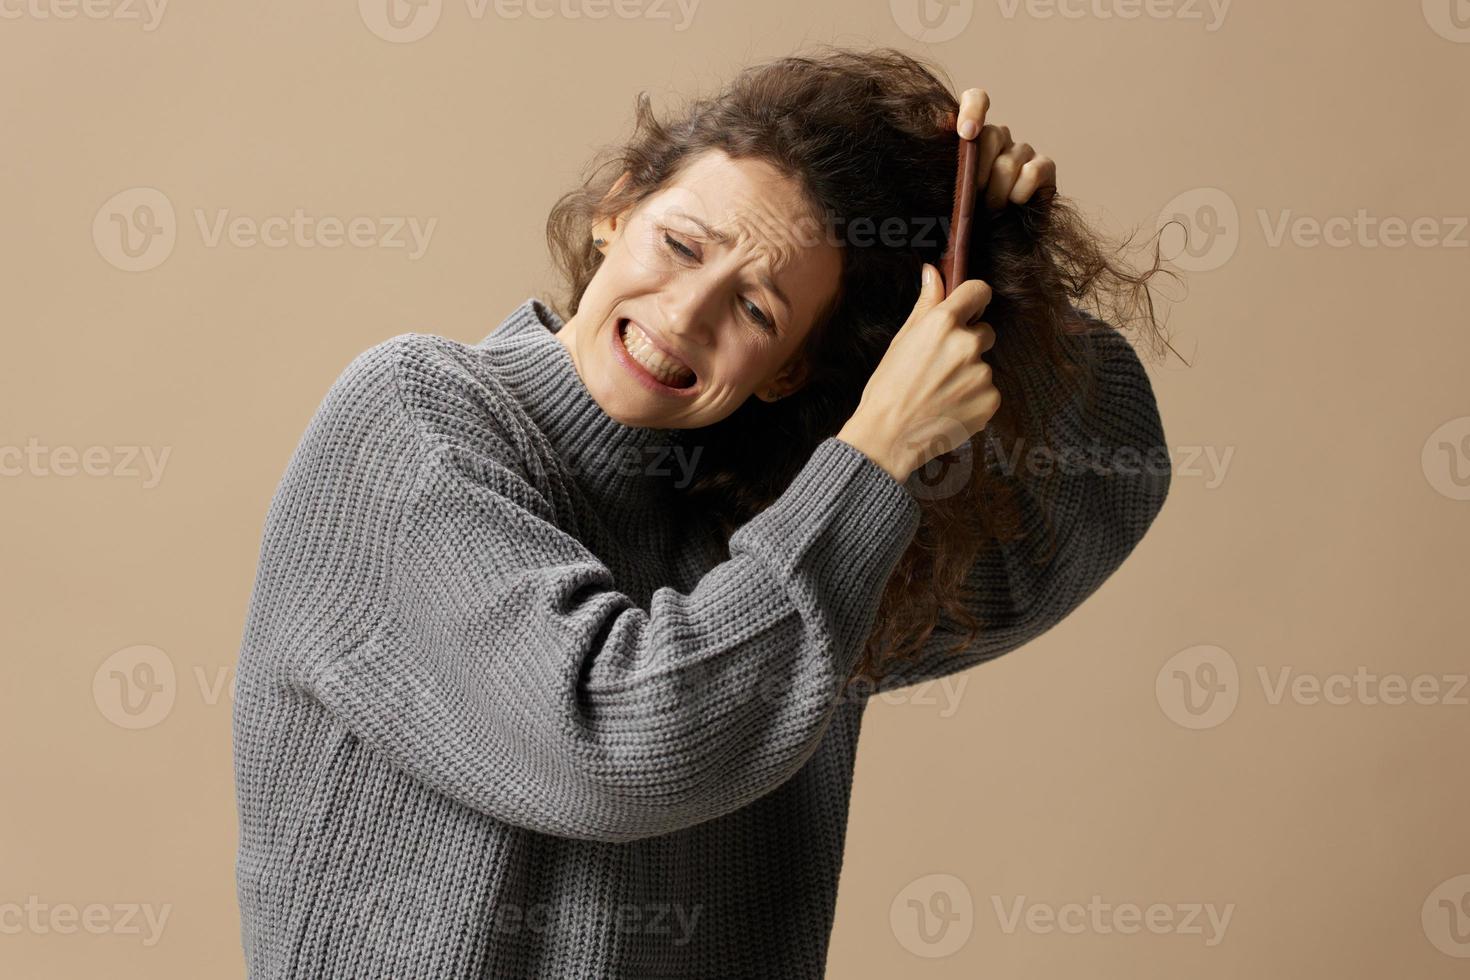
column 777, row 255
column 778, row 247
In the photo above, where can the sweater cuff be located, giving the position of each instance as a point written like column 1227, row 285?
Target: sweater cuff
column 840, row 527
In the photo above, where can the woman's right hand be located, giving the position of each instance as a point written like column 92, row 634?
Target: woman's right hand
column 931, row 391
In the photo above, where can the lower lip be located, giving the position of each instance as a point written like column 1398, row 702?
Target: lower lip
column 620, row 353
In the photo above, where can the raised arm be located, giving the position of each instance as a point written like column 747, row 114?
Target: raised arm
column 503, row 667
column 1098, row 514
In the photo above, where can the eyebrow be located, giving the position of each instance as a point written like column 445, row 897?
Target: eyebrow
column 720, row 236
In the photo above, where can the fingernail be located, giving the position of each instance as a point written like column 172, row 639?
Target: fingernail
column 968, row 128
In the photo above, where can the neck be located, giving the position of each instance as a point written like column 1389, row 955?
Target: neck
column 625, row 469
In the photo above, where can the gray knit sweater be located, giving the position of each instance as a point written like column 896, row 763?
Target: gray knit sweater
column 499, row 714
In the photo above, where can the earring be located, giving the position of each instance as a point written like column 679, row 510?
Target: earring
column 599, row 242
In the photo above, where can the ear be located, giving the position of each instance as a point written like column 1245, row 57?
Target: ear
column 787, row 382
column 607, row 228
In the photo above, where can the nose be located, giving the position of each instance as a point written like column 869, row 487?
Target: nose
column 688, row 306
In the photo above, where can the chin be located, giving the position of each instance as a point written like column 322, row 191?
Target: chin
column 623, row 400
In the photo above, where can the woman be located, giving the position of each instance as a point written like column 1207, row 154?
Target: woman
column 560, row 642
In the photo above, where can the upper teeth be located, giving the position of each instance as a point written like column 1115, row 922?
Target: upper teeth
column 661, row 366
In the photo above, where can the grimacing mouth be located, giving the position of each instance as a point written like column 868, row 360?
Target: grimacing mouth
column 651, row 338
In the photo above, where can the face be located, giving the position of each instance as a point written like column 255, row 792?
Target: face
column 707, row 289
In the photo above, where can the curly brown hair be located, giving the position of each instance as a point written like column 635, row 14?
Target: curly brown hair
column 869, row 136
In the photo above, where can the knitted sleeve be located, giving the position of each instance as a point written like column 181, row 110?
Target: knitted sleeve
column 507, row 671
column 1112, row 477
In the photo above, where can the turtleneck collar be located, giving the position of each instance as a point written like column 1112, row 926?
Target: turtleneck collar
column 622, row 466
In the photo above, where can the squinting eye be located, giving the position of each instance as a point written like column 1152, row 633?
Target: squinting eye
column 756, row 314
column 751, row 310
column 679, row 247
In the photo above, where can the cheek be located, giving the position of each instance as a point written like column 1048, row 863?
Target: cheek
column 616, row 281
column 743, row 365
column 632, row 265
column 608, row 282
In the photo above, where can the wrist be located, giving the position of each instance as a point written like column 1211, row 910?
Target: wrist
column 876, row 447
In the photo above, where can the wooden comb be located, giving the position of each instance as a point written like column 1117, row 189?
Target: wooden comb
column 954, row 264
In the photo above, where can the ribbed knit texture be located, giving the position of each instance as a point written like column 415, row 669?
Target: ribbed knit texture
column 499, row 713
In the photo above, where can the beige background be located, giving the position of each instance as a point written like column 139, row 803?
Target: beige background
column 1318, row 522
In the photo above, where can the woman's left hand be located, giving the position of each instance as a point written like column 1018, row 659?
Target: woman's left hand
column 1009, row 172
